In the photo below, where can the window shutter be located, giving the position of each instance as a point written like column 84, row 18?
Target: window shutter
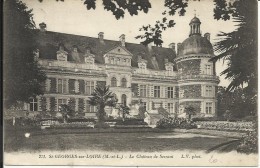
column 151, row 90
column 138, row 90
column 47, row 85
column 81, row 86
column 166, row 92
column 53, row 104
column 162, row 91
column 176, row 92
column 147, row 91
column 213, row 91
column 71, row 85
column 64, row 85
column 53, row 83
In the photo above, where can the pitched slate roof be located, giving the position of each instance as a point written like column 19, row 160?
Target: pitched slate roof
column 48, row 44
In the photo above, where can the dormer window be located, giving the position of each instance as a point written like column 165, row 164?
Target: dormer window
column 62, row 55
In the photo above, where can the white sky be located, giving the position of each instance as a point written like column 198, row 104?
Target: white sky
column 72, row 17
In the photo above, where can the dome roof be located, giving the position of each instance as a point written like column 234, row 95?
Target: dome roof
column 195, row 44
column 195, row 20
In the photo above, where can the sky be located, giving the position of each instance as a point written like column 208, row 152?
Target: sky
column 72, row 17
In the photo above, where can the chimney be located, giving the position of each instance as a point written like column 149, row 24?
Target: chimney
column 178, row 47
column 122, row 39
column 207, row 35
column 101, row 36
column 166, row 60
column 42, row 27
column 172, row 46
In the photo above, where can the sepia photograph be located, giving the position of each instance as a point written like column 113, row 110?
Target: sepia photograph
column 130, row 82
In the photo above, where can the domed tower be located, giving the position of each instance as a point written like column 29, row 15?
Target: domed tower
column 197, row 78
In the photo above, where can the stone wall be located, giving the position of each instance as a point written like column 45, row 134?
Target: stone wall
column 189, row 67
column 191, row 91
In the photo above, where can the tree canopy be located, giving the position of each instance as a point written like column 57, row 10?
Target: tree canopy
column 23, row 79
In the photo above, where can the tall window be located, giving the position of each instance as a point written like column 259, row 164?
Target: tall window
column 209, row 108
column 33, row 105
column 123, row 99
column 170, row 107
column 89, row 87
column 61, row 85
column 208, row 91
column 143, row 90
column 89, row 108
column 208, row 69
column 60, row 102
column 123, row 82
column 113, row 82
column 170, row 92
column 156, row 91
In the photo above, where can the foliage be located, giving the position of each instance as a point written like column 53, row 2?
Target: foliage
column 102, row 97
column 190, row 110
column 163, row 112
column 249, row 142
column 235, row 104
column 101, row 125
column 131, row 122
column 239, row 47
column 125, row 110
column 72, row 104
column 225, row 125
column 81, row 105
column 74, row 125
column 175, row 123
column 23, row 78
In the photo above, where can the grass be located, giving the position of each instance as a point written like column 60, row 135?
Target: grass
column 134, row 141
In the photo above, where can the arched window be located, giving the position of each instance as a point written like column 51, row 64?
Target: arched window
column 113, row 82
column 123, row 82
column 123, row 99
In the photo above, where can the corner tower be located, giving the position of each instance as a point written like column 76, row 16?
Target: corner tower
column 197, row 78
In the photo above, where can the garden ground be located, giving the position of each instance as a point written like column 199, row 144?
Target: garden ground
column 134, row 142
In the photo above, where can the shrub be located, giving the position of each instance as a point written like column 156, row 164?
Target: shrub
column 249, row 143
column 225, row 125
column 175, row 123
column 131, row 122
column 101, row 125
column 73, row 125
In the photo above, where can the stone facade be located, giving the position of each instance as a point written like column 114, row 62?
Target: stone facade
column 155, row 76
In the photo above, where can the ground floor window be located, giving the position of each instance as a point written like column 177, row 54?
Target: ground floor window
column 209, row 107
column 89, row 108
column 60, row 102
column 170, row 108
column 33, row 105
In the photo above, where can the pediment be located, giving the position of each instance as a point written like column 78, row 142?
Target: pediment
column 119, row 50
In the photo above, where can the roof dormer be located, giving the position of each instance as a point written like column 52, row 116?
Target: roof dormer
column 62, row 55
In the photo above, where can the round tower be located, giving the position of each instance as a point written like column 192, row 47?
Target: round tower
column 197, row 78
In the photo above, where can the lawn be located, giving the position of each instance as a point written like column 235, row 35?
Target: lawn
column 142, row 141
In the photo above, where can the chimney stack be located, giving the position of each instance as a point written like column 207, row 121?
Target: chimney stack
column 207, row 35
column 178, row 47
column 42, row 27
column 101, row 36
column 122, row 39
column 172, row 46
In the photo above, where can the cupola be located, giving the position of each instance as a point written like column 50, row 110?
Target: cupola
column 195, row 26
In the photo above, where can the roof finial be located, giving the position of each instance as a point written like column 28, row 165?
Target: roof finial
column 195, row 13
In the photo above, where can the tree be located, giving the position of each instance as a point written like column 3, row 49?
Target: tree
column 23, row 79
column 66, row 111
column 239, row 47
column 190, row 110
column 102, row 97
